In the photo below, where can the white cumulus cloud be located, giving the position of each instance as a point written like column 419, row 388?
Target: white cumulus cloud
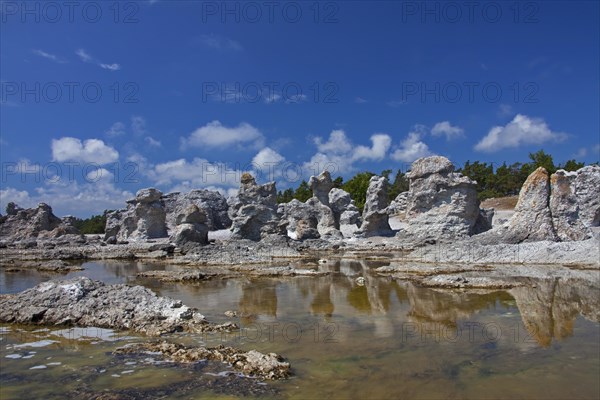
column 216, row 135
column 522, row 130
column 90, row 151
column 411, row 148
column 445, row 128
column 338, row 154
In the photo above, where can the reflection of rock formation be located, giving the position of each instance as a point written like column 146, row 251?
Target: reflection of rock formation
column 447, row 307
column 549, row 310
column 258, row 298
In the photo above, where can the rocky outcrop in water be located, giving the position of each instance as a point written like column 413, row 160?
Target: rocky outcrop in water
column 144, row 218
column 253, row 211
column 440, row 203
column 375, row 216
column 39, row 222
column 212, row 203
column 85, row 303
column 253, row 363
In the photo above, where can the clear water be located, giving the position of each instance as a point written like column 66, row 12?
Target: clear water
column 383, row 340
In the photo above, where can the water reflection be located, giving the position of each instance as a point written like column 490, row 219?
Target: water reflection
column 548, row 307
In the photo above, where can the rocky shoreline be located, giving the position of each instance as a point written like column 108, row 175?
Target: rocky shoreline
column 434, row 235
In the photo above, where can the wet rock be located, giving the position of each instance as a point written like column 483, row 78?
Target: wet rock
column 39, row 222
column 375, row 217
column 178, row 276
column 253, row 210
column 84, row 302
column 253, row 363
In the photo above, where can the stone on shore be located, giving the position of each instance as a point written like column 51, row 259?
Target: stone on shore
column 86, row 303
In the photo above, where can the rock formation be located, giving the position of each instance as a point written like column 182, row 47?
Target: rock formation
column 328, row 225
column 191, row 227
column 344, row 209
column 561, row 207
column 300, row 220
column 144, row 218
column 37, row 222
column 213, row 203
column 440, row 203
column 317, row 217
column 575, row 202
column 398, row 205
column 84, row 302
column 253, row 211
column 375, row 217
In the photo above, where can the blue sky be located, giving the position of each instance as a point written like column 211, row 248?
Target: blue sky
column 105, row 98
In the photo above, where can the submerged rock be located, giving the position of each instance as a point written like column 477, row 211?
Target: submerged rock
column 85, row 303
column 253, row 363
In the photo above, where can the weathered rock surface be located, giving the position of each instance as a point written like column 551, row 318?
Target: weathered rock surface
column 144, row 218
column 532, row 219
column 440, row 203
column 320, row 186
column 39, row 222
column 253, row 210
column 191, row 227
column 328, row 225
column 300, row 220
column 575, row 202
column 343, row 207
column 375, row 216
column 253, row 363
column 398, row 205
column 84, row 302
column 213, row 203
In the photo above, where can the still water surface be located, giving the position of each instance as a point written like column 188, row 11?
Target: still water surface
column 384, row 339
